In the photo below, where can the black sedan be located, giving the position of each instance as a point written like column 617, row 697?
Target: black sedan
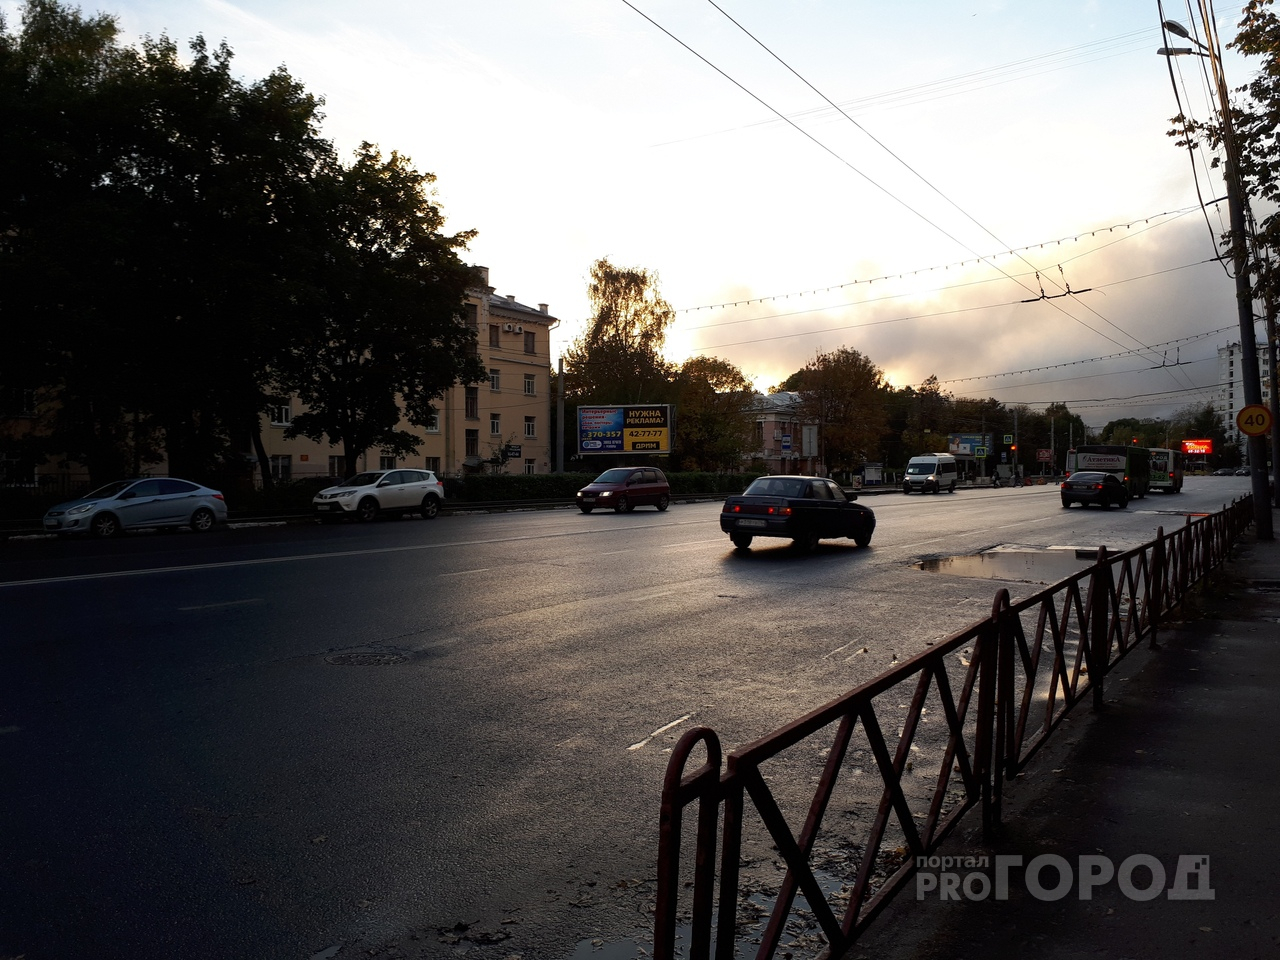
column 1088, row 487
column 802, row 509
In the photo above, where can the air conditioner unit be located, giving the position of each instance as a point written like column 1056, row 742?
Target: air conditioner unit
column 519, row 329
column 508, row 327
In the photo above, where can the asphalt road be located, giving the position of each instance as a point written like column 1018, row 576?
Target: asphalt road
column 413, row 738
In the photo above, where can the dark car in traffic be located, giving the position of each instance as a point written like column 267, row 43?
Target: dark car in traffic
column 622, row 489
column 1085, row 487
column 801, row 509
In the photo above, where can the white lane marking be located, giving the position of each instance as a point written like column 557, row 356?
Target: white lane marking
column 951, row 537
column 837, row 650
column 294, row 558
column 227, row 603
column 463, row 573
column 660, row 730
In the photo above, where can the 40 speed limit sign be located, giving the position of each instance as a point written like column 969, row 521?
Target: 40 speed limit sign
column 1254, row 420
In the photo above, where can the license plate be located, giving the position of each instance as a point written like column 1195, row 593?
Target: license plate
column 328, row 506
column 757, row 524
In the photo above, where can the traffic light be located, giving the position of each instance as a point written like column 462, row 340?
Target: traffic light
column 1013, row 446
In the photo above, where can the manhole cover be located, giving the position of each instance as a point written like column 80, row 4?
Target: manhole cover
column 365, row 659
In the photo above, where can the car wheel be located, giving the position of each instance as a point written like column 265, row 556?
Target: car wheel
column 623, row 505
column 663, row 502
column 862, row 539
column 808, row 542
column 104, row 526
column 952, row 488
column 1065, row 503
column 367, row 509
column 203, row 520
column 1122, row 502
column 585, row 509
column 430, row 507
column 906, row 489
column 741, row 540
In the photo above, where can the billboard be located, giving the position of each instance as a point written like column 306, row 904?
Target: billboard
column 968, row 444
column 633, row 428
column 1197, row 447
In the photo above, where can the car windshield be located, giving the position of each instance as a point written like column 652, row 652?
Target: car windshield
column 110, row 490
column 915, row 469
column 616, row 475
column 362, row 480
column 776, row 487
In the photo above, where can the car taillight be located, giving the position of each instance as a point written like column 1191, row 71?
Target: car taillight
column 218, row 496
column 1097, row 486
column 737, row 508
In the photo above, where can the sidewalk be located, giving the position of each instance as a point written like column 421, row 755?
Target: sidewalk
column 1183, row 761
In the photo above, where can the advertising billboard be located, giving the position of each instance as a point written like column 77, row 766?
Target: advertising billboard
column 1197, row 447
column 633, row 428
column 968, row 444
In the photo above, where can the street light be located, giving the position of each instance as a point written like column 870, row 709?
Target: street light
column 1252, row 382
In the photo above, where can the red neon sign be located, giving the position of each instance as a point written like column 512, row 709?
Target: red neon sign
column 1198, row 447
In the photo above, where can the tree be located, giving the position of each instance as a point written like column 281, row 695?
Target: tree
column 147, row 213
column 845, row 393
column 388, row 287
column 714, row 420
column 618, row 359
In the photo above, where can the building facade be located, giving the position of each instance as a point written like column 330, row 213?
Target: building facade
column 503, row 424
column 785, row 441
column 1231, row 387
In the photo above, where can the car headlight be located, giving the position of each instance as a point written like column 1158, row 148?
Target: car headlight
column 607, row 493
column 82, row 508
column 345, row 494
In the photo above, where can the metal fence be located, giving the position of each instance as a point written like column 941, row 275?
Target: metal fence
column 842, row 801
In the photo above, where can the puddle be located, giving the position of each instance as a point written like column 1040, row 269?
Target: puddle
column 1031, row 566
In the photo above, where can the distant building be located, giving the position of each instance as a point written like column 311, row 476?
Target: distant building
column 501, row 424
column 1231, row 387
column 785, row 442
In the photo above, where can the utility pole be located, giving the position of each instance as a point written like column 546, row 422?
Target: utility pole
column 1249, row 373
column 560, row 418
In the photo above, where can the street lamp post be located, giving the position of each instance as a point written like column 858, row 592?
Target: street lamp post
column 1249, row 372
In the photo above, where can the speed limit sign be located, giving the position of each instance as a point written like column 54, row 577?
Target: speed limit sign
column 1254, row 420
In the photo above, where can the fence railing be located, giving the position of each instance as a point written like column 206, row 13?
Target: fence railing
column 910, row 751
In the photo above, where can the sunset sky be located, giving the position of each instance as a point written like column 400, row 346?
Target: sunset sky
column 970, row 146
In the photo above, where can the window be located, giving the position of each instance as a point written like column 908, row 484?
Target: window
column 472, row 404
column 282, row 466
column 495, row 424
column 495, row 379
column 386, row 462
column 473, row 443
column 337, row 466
column 433, row 422
column 433, row 464
column 530, row 427
column 495, row 335
column 281, row 414
column 530, row 342
column 530, row 385
column 17, row 402
column 529, row 465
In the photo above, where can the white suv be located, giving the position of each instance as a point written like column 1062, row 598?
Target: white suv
column 396, row 492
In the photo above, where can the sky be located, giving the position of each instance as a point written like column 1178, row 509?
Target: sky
column 921, row 182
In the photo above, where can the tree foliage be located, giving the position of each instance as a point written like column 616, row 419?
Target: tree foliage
column 845, row 393
column 714, row 418
column 387, row 289
column 170, row 236
column 618, row 359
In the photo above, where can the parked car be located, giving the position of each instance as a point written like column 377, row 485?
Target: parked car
column 1242, row 472
column 624, row 489
column 392, row 492
column 802, row 509
column 1223, row 472
column 1085, row 487
column 132, row 504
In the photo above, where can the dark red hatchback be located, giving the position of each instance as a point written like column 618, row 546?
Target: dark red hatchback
column 622, row 489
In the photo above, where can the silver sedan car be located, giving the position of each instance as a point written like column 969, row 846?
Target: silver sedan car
column 133, row 504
